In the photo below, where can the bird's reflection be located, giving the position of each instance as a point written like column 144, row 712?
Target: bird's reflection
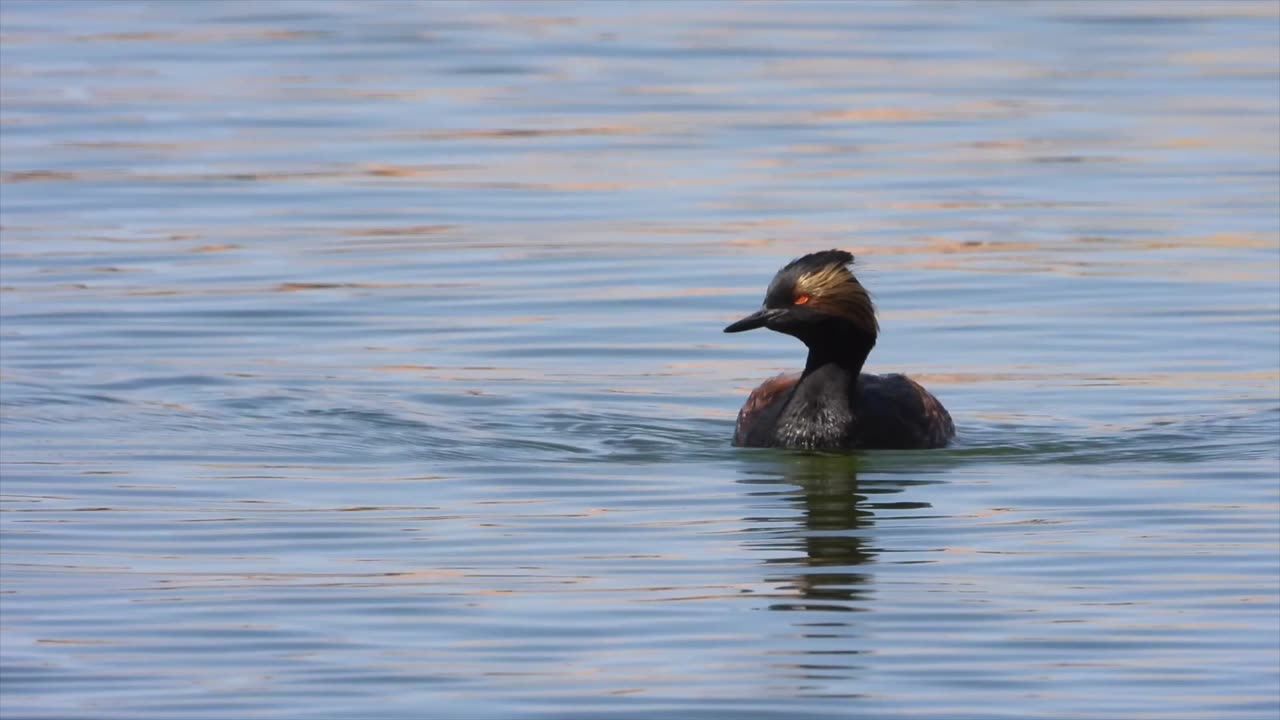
column 826, row 551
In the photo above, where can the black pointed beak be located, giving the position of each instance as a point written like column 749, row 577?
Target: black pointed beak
column 755, row 320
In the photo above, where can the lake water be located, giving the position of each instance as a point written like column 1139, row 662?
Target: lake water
column 364, row 359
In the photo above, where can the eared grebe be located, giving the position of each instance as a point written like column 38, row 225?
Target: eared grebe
column 833, row 405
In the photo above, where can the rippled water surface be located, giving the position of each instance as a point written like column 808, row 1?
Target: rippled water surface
column 364, row 359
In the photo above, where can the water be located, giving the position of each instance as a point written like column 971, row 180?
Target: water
column 364, row 360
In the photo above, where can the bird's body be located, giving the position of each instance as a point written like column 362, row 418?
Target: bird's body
column 832, row 404
column 878, row 411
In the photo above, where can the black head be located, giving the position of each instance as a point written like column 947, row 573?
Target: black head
column 818, row 300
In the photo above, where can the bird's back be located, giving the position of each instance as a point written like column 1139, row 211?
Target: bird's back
column 894, row 411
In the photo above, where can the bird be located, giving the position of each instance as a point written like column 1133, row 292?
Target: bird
column 832, row 405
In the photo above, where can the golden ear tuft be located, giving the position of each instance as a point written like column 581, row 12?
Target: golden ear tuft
column 833, row 289
column 826, row 281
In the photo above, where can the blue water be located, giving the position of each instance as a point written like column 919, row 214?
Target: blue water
column 363, row 359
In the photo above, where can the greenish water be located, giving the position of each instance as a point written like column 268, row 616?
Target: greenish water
column 364, row 359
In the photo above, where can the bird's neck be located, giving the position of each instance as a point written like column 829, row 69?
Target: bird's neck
column 847, row 351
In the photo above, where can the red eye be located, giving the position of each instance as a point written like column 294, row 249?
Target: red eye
column 802, row 299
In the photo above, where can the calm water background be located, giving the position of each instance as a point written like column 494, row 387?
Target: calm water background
column 364, row 359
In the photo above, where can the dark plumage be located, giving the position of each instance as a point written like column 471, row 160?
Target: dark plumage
column 833, row 405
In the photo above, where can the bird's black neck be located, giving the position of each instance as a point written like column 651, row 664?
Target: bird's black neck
column 848, row 351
